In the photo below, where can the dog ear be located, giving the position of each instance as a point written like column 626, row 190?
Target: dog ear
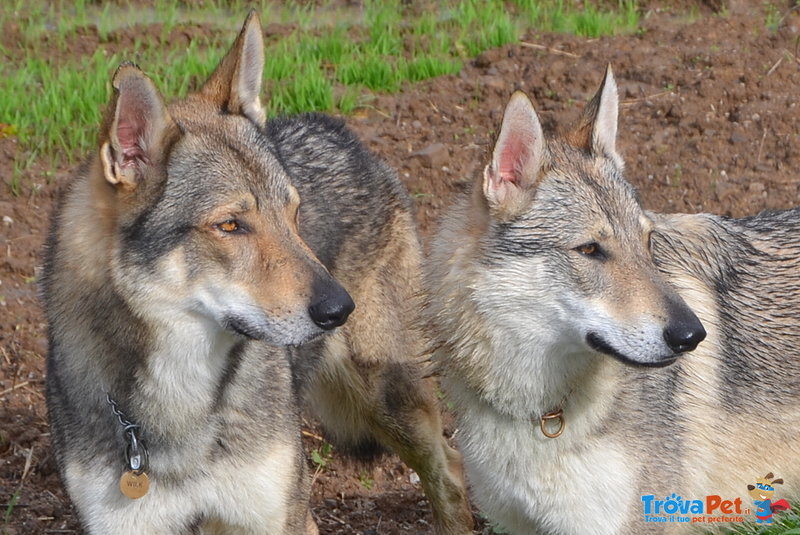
column 769, row 476
column 518, row 154
column 235, row 85
column 137, row 128
column 778, row 482
column 750, row 487
column 596, row 131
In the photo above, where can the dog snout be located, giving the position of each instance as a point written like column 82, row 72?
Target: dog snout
column 331, row 307
column 684, row 333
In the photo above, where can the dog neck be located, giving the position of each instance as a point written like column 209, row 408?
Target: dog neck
column 182, row 376
column 528, row 380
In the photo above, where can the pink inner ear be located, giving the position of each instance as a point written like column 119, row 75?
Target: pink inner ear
column 129, row 134
column 512, row 159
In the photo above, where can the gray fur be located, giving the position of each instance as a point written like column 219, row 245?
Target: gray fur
column 520, row 289
column 192, row 266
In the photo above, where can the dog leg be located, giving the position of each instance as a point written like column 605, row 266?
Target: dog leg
column 367, row 387
column 387, row 402
column 409, row 422
column 311, row 525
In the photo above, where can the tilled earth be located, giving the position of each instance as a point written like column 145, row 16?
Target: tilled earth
column 709, row 122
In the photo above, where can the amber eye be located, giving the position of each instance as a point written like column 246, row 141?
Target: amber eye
column 230, row 225
column 589, row 249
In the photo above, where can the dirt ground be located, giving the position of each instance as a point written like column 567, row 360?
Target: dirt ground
column 709, row 122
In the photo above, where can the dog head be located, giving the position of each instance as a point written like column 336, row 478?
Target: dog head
column 204, row 215
column 764, row 488
column 568, row 243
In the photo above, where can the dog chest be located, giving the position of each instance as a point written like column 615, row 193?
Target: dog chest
column 528, row 482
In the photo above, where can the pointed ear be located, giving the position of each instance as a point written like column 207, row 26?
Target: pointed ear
column 137, row 129
column 518, row 154
column 596, row 131
column 236, row 83
column 769, row 476
column 778, row 482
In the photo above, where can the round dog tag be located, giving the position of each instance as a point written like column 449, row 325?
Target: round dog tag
column 134, row 485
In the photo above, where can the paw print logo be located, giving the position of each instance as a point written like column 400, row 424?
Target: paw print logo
column 672, row 504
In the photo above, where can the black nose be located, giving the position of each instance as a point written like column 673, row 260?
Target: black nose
column 331, row 307
column 684, row 333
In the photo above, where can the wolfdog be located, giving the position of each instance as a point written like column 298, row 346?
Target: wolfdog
column 194, row 264
column 601, row 358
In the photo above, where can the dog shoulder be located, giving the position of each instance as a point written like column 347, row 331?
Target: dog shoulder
column 349, row 196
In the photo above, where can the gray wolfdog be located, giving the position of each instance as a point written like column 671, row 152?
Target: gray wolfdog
column 607, row 364
column 193, row 264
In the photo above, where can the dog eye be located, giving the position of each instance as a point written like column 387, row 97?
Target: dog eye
column 229, row 226
column 590, row 249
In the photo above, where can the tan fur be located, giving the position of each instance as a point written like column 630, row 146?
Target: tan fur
column 561, row 293
column 371, row 385
column 185, row 279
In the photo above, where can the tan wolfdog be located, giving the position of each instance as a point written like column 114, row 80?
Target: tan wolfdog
column 609, row 365
column 201, row 277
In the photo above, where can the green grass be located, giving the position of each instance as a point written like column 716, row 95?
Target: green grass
column 592, row 21
column 786, row 523
column 12, row 503
column 322, row 456
column 334, row 60
column 365, row 480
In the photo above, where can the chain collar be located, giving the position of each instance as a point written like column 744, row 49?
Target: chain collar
column 135, row 451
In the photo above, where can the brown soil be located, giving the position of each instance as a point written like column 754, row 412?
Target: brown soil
column 709, row 122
